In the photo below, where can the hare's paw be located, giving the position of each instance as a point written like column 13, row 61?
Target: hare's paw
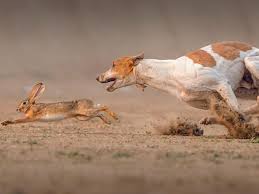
column 5, row 123
column 107, row 122
column 114, row 116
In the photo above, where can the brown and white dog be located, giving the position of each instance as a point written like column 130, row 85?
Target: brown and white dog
column 217, row 69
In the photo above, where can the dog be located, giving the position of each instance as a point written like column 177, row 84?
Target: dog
column 203, row 78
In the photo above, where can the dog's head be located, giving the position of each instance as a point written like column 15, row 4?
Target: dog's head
column 121, row 73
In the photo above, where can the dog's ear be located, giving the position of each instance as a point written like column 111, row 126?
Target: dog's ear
column 136, row 59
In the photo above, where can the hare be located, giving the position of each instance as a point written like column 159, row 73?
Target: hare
column 82, row 110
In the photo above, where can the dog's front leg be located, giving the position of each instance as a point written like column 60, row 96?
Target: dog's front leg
column 195, row 99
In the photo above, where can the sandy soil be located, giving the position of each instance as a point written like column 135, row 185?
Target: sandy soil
column 126, row 157
column 67, row 43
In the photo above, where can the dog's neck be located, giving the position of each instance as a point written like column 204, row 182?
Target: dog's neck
column 158, row 74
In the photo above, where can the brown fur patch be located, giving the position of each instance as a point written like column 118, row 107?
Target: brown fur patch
column 123, row 66
column 230, row 50
column 202, row 57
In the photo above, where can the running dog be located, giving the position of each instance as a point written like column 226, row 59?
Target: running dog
column 203, row 78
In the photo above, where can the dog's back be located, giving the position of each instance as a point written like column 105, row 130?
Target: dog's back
column 224, row 58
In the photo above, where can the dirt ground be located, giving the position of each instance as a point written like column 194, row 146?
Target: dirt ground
column 67, row 43
column 125, row 157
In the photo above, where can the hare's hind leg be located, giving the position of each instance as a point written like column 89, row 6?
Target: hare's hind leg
column 92, row 113
column 88, row 117
column 86, row 113
column 83, row 117
column 111, row 113
column 104, row 119
column 101, row 108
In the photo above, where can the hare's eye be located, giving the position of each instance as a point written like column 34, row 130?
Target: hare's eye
column 24, row 103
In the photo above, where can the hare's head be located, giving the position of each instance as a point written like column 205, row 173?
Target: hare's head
column 35, row 93
column 121, row 73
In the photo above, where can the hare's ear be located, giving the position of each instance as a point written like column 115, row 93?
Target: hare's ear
column 36, row 91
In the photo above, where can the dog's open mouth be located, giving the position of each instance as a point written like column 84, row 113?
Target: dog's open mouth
column 115, row 83
column 110, row 87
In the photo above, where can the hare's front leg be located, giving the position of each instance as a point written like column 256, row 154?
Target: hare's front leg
column 24, row 120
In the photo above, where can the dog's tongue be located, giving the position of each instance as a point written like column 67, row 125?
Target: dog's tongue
column 110, row 80
column 110, row 88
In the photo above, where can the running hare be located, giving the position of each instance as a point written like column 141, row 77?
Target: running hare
column 80, row 109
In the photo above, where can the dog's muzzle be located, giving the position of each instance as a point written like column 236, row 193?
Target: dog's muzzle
column 102, row 80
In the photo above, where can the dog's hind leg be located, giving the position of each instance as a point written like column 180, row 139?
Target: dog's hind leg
column 252, row 65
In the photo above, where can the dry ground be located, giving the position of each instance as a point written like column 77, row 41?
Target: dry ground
column 63, row 43
column 125, row 157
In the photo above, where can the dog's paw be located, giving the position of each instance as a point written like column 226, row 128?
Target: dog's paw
column 198, row 132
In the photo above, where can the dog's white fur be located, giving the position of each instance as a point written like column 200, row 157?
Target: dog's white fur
column 184, row 78
column 192, row 82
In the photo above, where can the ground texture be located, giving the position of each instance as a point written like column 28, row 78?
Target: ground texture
column 128, row 156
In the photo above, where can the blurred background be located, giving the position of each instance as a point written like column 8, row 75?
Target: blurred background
column 72, row 41
column 66, row 44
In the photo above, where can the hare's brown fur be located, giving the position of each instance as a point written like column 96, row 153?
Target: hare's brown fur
column 83, row 109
